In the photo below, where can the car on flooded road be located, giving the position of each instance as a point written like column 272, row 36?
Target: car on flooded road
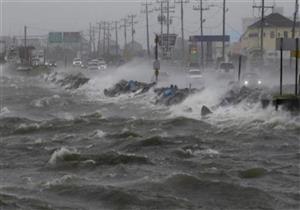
column 77, row 62
column 51, row 63
column 195, row 74
column 102, row 64
column 226, row 67
column 92, row 66
column 195, row 77
column 251, row 79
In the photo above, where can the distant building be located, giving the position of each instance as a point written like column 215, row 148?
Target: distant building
column 275, row 26
column 246, row 22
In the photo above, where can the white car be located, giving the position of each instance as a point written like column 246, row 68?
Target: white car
column 35, row 62
column 195, row 74
column 77, row 62
column 102, row 65
column 195, row 78
column 92, row 65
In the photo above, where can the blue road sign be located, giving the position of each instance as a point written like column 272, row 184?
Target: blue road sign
column 209, row 38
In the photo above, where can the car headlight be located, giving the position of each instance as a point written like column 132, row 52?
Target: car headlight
column 259, row 82
column 246, row 82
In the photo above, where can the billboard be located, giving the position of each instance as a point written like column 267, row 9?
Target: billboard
column 71, row 37
column 55, row 37
column 64, row 37
column 164, row 39
column 209, row 38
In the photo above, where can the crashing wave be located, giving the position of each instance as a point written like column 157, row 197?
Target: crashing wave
column 125, row 87
column 4, row 110
column 68, row 81
column 46, row 101
column 65, row 156
column 238, row 94
column 98, row 134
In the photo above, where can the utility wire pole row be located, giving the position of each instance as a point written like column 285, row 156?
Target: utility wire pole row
column 147, row 11
column 181, row 2
column 201, row 9
column 132, row 23
column 262, row 24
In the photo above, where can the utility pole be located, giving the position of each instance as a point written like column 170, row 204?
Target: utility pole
column 117, row 41
column 161, row 19
column 90, row 37
column 201, row 9
column 165, row 8
column 224, row 29
column 168, row 21
column 125, row 31
column 104, row 36
column 147, row 11
column 161, row 16
column 132, row 22
column 99, row 39
column 108, row 38
column 262, row 24
column 295, row 18
column 93, row 35
column 25, row 43
column 182, row 26
column 262, row 28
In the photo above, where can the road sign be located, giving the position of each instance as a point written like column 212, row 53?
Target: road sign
column 287, row 44
column 71, row 37
column 55, row 37
column 156, row 65
column 295, row 54
column 161, row 18
column 165, row 38
column 210, row 38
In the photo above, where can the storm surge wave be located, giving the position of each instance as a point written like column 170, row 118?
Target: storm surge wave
column 228, row 103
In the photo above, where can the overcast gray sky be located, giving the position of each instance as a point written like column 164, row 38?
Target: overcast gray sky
column 42, row 16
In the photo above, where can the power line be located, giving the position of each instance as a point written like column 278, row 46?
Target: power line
column 182, row 25
column 99, row 39
column 224, row 30
column 132, row 23
column 124, row 25
column 147, row 11
column 117, row 41
column 262, row 23
column 200, row 8
column 295, row 18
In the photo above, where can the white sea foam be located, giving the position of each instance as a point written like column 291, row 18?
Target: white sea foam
column 98, row 134
column 46, row 101
column 65, row 179
column 59, row 155
column 4, row 111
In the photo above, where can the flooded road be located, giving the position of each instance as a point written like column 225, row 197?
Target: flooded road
column 77, row 149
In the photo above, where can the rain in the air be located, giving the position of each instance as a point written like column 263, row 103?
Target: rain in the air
column 149, row 105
